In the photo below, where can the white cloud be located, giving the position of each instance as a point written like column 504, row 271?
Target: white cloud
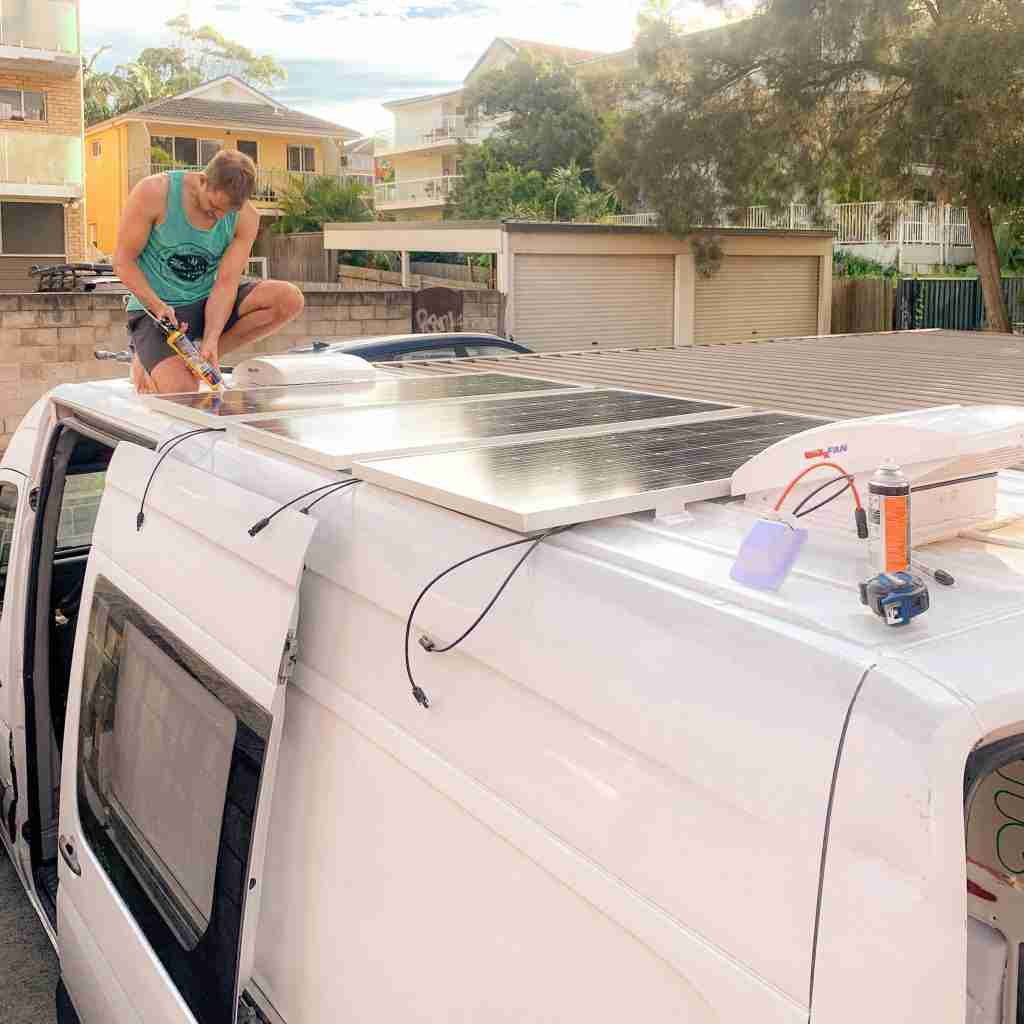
column 386, row 47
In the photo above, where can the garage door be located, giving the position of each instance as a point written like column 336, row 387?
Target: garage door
column 576, row 301
column 754, row 297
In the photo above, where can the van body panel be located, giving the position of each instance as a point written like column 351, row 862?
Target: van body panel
column 434, row 844
column 88, row 976
column 615, row 806
column 179, row 581
column 893, row 906
column 631, row 752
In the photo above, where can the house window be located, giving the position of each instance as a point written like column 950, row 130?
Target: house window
column 208, row 149
column 301, row 158
column 32, row 229
column 97, row 149
column 250, row 149
column 183, row 151
column 16, row 105
column 94, row 234
column 161, row 148
column 186, row 151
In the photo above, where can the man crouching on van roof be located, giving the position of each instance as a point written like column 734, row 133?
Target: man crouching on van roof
column 184, row 241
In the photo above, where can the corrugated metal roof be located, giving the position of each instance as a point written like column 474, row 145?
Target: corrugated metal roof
column 836, row 376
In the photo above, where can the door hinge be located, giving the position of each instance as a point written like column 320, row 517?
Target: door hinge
column 289, row 656
column 33, row 498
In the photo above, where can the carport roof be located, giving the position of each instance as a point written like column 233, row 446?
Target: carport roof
column 485, row 235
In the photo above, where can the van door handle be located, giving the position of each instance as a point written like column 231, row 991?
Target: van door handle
column 67, row 851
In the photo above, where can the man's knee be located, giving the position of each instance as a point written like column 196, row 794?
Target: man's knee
column 288, row 300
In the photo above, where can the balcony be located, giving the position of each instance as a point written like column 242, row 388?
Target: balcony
column 39, row 35
column 40, row 166
column 271, row 182
column 448, row 130
column 417, row 192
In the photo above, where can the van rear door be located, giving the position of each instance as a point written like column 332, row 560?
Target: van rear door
column 173, row 725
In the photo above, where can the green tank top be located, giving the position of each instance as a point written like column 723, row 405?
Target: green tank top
column 181, row 261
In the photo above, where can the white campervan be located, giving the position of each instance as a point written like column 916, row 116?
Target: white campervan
column 240, row 779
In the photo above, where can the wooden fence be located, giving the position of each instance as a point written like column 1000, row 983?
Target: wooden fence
column 862, row 304
column 454, row 272
column 299, row 257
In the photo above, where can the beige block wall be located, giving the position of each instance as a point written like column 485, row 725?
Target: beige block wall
column 46, row 340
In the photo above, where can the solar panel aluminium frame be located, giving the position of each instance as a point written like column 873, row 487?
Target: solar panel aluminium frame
column 258, row 434
column 435, row 477
column 194, row 407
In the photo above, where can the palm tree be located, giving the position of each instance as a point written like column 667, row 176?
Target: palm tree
column 566, row 181
column 307, row 203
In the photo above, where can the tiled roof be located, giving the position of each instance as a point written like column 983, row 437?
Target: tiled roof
column 245, row 115
column 551, row 52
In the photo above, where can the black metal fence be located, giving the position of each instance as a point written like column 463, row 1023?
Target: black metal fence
column 955, row 304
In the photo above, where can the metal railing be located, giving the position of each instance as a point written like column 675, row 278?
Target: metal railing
column 270, row 181
column 38, row 25
column 32, row 158
column 903, row 222
column 416, row 190
column 448, row 128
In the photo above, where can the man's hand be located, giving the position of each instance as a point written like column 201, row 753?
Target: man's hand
column 164, row 312
column 209, row 350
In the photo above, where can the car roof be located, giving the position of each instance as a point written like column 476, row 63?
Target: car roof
column 397, row 342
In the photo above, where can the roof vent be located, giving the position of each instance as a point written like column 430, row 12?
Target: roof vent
column 302, row 368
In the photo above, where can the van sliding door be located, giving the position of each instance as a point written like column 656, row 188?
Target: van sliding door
column 173, row 725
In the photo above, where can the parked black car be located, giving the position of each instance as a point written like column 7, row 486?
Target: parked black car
column 389, row 348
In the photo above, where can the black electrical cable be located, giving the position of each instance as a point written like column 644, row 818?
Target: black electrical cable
column 799, row 511
column 327, row 494
column 420, row 696
column 265, row 521
column 170, row 446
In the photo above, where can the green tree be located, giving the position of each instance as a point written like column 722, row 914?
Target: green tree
column 806, row 91
column 491, row 189
column 307, row 203
column 550, row 120
column 159, row 71
column 210, row 55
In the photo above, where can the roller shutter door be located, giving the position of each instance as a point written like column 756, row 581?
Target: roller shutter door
column 581, row 301
column 754, row 297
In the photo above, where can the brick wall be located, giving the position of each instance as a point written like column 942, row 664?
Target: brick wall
column 63, row 102
column 46, row 340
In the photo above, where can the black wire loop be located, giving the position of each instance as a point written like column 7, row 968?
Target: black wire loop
column 331, row 488
column 168, row 447
column 417, row 691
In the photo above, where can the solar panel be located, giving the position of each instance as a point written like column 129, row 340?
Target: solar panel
column 547, row 483
column 258, row 403
column 334, row 439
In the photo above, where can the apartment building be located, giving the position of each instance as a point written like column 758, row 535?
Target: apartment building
column 41, row 204
column 186, row 130
column 421, row 164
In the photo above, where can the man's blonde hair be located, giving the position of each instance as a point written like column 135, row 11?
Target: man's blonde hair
column 232, row 173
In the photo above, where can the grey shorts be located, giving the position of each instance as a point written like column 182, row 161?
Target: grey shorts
column 148, row 341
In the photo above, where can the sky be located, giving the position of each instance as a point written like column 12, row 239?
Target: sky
column 344, row 57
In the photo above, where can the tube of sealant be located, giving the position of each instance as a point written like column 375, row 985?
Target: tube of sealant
column 187, row 349
column 200, row 367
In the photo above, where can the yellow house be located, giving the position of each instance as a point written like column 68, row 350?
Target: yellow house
column 423, row 157
column 186, row 130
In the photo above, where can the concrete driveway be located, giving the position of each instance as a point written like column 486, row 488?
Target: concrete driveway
column 28, row 965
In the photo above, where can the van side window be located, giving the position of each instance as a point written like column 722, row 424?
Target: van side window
column 78, row 509
column 170, row 761
column 8, row 511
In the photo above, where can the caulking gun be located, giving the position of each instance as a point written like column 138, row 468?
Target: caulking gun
column 200, row 368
